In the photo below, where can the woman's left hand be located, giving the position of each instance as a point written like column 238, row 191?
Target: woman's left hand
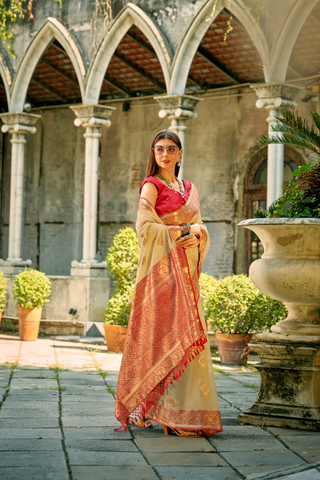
column 190, row 241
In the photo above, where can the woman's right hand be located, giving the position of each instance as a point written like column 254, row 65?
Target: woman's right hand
column 196, row 229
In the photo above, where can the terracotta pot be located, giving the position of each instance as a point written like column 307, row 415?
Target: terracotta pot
column 29, row 323
column 1, row 316
column 233, row 349
column 289, row 270
column 115, row 337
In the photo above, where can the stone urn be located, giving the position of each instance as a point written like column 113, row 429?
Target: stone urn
column 289, row 270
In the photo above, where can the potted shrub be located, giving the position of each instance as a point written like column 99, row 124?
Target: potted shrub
column 236, row 310
column 122, row 261
column 3, row 293
column 31, row 290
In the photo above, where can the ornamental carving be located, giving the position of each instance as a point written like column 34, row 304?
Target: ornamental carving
column 96, row 111
column 27, row 119
column 283, row 90
column 178, row 105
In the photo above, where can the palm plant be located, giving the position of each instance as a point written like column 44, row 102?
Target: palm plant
column 303, row 199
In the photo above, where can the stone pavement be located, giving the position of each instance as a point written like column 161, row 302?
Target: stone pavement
column 57, row 422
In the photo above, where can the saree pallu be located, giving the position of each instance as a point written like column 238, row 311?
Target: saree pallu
column 166, row 373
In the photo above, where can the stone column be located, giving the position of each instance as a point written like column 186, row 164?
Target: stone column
column 274, row 98
column 18, row 125
column 178, row 108
column 92, row 118
column 89, row 276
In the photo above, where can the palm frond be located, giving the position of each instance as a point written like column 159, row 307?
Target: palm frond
column 286, row 139
column 316, row 119
column 301, row 125
column 292, row 131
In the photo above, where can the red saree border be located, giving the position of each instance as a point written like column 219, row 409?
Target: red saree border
column 207, row 420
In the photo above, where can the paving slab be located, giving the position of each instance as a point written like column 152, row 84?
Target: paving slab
column 258, row 469
column 34, row 396
column 30, row 433
column 97, row 433
column 237, row 430
column 19, row 413
column 114, row 473
column 32, row 422
column 209, row 459
column 254, row 442
column 295, row 442
column 36, row 392
column 203, row 473
column 16, row 444
column 173, row 444
column 19, row 407
column 309, row 475
column 309, row 455
column 90, row 421
column 80, row 457
column 33, row 383
column 102, row 445
column 36, row 458
column 229, row 421
column 290, row 432
column 282, row 456
column 35, row 473
column 34, row 373
column 90, row 381
column 72, row 397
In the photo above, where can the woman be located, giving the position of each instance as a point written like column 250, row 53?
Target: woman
column 166, row 372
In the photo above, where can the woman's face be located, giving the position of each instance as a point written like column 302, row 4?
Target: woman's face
column 167, row 154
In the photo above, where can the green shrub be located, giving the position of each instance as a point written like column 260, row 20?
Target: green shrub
column 31, row 288
column 3, row 292
column 237, row 306
column 119, row 306
column 207, row 286
column 122, row 258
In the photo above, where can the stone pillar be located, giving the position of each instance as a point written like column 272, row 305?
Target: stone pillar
column 92, row 118
column 93, row 273
column 178, row 108
column 18, row 125
column 274, row 98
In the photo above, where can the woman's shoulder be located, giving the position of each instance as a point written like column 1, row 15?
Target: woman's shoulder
column 160, row 186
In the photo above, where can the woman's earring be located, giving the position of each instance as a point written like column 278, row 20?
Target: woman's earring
column 179, row 163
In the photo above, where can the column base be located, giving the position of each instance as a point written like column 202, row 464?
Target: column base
column 13, row 267
column 289, row 395
column 281, row 422
column 88, row 269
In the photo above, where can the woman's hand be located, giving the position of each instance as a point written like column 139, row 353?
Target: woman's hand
column 189, row 241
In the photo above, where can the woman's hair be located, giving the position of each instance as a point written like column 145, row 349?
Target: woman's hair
column 152, row 168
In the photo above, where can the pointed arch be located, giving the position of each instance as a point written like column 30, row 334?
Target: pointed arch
column 5, row 76
column 129, row 15
column 51, row 29
column 196, row 31
column 282, row 49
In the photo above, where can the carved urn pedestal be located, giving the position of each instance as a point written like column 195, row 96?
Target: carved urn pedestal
column 289, row 270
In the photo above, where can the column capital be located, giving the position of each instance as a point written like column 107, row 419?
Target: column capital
column 94, row 116
column 19, row 122
column 180, row 107
column 276, row 95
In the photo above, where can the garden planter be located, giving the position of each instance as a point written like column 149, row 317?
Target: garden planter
column 115, row 337
column 1, row 316
column 29, row 323
column 289, row 271
column 233, row 349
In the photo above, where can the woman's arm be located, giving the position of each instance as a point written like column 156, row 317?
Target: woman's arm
column 150, row 192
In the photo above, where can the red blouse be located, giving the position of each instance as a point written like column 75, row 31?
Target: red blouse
column 168, row 200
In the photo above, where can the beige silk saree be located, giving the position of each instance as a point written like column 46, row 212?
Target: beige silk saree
column 166, row 372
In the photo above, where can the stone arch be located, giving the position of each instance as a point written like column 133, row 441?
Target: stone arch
column 130, row 15
column 193, row 36
column 276, row 70
column 51, row 29
column 5, row 76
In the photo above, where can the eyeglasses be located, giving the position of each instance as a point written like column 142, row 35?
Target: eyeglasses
column 160, row 150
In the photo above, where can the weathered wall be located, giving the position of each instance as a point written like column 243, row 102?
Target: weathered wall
column 218, row 151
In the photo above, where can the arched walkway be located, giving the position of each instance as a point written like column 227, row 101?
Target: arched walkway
column 130, row 15
column 52, row 29
column 6, row 79
column 190, row 43
column 276, row 68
